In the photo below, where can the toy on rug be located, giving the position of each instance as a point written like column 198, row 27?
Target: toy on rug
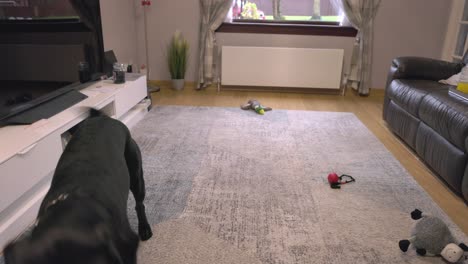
column 336, row 181
column 256, row 106
column 431, row 237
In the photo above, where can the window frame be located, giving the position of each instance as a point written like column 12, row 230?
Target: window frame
column 288, row 27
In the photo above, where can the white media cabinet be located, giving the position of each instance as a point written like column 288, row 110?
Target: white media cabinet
column 29, row 154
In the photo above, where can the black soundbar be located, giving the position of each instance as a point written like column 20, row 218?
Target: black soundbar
column 46, row 105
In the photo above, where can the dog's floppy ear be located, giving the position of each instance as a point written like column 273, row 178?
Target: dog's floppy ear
column 58, row 242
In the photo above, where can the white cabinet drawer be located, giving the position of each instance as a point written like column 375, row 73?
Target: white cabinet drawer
column 27, row 168
column 129, row 96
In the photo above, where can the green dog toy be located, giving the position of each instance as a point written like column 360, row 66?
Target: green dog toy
column 256, row 106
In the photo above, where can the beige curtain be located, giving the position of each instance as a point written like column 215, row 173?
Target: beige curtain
column 213, row 13
column 360, row 14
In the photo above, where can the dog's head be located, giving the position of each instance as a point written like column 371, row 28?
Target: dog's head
column 83, row 234
column 65, row 246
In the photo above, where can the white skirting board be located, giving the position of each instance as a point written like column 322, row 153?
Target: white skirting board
column 282, row 67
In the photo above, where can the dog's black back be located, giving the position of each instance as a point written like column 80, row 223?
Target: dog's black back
column 96, row 154
column 83, row 218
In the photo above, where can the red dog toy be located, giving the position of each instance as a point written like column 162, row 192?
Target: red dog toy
column 336, row 181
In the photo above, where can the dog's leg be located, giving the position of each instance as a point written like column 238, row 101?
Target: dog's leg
column 137, row 186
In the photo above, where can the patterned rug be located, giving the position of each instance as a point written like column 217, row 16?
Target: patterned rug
column 230, row 186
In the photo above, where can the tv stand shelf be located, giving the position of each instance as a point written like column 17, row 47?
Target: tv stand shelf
column 29, row 154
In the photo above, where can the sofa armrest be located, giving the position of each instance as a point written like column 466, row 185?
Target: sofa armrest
column 423, row 68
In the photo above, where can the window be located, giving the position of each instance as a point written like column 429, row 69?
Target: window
column 36, row 10
column 289, row 11
column 290, row 17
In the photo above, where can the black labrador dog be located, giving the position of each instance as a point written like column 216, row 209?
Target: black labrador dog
column 83, row 217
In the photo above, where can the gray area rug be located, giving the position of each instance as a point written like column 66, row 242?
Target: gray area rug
column 253, row 189
column 230, row 186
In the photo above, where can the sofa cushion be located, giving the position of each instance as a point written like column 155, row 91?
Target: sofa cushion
column 465, row 185
column 408, row 93
column 448, row 115
column 403, row 124
column 443, row 157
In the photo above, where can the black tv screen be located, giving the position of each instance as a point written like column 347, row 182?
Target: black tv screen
column 41, row 44
column 29, row 72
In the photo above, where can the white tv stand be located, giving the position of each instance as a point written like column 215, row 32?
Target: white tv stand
column 29, row 154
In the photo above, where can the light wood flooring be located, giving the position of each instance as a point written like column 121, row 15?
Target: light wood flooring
column 367, row 109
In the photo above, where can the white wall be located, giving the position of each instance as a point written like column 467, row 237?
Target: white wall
column 402, row 28
column 408, row 28
column 164, row 18
column 119, row 29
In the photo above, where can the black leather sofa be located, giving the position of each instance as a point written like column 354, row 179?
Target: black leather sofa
column 432, row 122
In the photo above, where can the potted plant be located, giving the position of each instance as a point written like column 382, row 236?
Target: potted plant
column 177, row 57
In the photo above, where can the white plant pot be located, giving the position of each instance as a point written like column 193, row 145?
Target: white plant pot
column 178, row 84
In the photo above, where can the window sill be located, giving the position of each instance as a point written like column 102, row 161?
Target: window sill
column 288, row 29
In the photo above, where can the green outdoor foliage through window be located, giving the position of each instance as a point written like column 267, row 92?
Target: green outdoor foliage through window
column 284, row 10
column 36, row 10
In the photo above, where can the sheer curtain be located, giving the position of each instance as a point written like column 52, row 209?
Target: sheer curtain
column 360, row 14
column 213, row 13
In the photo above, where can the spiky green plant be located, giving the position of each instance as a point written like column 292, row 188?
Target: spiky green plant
column 177, row 56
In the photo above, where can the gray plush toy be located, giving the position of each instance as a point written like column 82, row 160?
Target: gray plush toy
column 256, row 106
column 431, row 237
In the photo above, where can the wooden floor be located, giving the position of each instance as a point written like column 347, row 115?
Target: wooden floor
column 367, row 109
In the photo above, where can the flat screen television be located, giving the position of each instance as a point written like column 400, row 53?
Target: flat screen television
column 41, row 45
